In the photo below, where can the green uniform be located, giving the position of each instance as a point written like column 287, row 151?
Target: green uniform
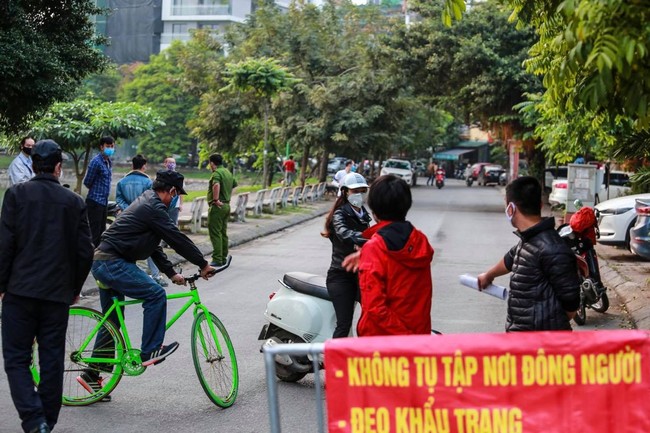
column 218, row 216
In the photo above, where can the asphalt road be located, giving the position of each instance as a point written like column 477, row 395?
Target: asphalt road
column 469, row 232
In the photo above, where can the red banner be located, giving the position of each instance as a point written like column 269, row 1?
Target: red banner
column 528, row 382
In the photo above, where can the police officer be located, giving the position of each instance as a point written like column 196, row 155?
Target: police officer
column 45, row 256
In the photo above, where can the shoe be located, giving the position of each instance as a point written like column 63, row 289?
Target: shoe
column 41, row 428
column 216, row 265
column 92, row 383
column 161, row 281
column 158, row 356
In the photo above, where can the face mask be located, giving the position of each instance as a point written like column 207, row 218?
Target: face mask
column 353, row 169
column 27, row 150
column 171, row 166
column 172, row 204
column 514, row 208
column 109, row 151
column 358, row 199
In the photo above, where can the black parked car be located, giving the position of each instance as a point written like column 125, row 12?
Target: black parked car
column 489, row 174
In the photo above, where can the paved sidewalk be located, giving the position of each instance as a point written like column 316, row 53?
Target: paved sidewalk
column 629, row 277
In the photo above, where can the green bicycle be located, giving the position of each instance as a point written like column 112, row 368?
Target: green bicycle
column 94, row 343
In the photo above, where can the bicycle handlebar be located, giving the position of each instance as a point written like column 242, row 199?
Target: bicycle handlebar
column 216, row 271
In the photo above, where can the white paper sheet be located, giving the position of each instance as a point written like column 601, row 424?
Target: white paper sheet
column 493, row 290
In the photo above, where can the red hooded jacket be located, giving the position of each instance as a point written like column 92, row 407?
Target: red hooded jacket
column 395, row 280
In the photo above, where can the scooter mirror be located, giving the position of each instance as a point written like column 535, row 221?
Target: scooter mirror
column 577, row 203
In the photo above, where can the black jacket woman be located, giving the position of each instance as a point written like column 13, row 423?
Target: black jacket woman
column 343, row 226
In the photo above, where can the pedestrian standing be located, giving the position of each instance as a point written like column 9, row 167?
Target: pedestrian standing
column 220, row 189
column 20, row 169
column 343, row 227
column 289, row 167
column 170, row 164
column 127, row 190
column 431, row 171
column 544, row 284
column 394, row 266
column 45, row 255
column 98, row 181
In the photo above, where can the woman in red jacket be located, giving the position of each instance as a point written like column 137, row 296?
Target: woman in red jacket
column 394, row 266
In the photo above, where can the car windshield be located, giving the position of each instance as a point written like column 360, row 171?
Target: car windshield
column 402, row 165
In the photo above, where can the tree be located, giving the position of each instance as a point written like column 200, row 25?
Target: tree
column 46, row 48
column 592, row 54
column 77, row 127
column 159, row 84
column 266, row 78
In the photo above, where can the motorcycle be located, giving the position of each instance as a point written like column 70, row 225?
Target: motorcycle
column 301, row 311
column 440, row 178
column 580, row 235
column 112, row 211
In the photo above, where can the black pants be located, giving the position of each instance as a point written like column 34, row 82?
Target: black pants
column 343, row 288
column 97, row 214
column 23, row 320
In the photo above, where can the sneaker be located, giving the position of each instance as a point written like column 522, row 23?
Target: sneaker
column 92, row 383
column 161, row 281
column 158, row 356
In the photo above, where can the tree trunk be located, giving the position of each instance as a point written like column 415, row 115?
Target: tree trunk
column 265, row 173
column 304, row 162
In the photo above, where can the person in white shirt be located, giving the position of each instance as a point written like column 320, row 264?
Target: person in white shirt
column 20, row 169
column 338, row 177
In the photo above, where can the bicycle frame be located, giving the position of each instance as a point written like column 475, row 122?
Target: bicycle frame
column 193, row 294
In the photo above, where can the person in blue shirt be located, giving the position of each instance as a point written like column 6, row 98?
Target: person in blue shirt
column 128, row 189
column 20, row 169
column 98, row 181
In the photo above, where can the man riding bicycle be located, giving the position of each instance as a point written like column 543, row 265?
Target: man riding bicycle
column 136, row 235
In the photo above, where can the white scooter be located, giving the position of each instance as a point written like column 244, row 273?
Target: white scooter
column 299, row 312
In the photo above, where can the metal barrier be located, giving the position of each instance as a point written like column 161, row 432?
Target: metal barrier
column 298, row 349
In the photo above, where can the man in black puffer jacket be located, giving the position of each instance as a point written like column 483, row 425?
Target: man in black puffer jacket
column 544, row 285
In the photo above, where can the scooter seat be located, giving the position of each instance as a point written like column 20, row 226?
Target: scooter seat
column 309, row 284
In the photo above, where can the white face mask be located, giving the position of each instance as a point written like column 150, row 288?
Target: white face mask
column 512, row 206
column 357, row 199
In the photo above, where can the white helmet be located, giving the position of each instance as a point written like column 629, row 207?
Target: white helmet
column 354, row 180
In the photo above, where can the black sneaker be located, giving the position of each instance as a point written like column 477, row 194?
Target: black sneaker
column 92, row 383
column 158, row 356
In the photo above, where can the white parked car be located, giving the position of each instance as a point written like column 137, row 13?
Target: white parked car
column 400, row 168
column 615, row 219
column 619, row 185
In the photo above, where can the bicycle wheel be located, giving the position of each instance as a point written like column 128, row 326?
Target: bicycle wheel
column 81, row 323
column 215, row 364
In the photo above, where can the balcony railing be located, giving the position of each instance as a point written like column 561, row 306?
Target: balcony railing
column 200, row 10
column 167, row 38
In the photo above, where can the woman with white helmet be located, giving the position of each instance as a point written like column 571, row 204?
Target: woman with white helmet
column 343, row 227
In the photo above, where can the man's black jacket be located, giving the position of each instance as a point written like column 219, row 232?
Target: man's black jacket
column 345, row 232
column 45, row 245
column 136, row 234
column 544, row 283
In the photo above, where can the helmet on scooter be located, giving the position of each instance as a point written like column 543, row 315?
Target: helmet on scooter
column 354, row 180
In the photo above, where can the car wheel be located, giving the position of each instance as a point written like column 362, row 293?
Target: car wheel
column 627, row 234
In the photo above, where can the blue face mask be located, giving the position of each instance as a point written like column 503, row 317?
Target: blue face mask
column 109, row 151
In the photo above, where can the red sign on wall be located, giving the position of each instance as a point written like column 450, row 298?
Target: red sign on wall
column 528, row 382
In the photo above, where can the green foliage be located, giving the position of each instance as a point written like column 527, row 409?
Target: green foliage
column 104, row 86
column 46, row 48
column 160, row 84
column 78, row 125
column 264, row 76
column 593, row 54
